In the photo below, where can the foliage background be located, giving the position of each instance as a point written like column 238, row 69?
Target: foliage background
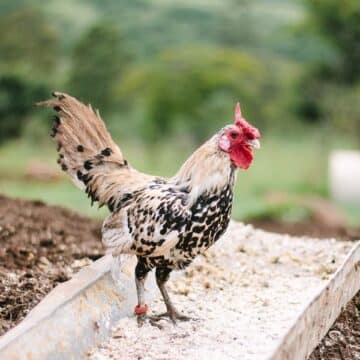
column 166, row 75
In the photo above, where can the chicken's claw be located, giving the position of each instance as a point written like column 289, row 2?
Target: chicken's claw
column 141, row 319
column 172, row 315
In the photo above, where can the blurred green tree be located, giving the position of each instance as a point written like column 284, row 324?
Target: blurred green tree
column 98, row 62
column 339, row 23
column 29, row 49
column 328, row 88
column 195, row 90
column 28, row 43
column 16, row 98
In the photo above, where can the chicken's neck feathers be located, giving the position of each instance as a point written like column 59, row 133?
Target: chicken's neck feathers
column 207, row 169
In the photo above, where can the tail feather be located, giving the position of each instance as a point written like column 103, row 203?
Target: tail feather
column 86, row 150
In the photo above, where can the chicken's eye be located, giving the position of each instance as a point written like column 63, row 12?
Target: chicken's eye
column 233, row 135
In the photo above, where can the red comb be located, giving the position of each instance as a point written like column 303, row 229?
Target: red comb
column 242, row 123
column 238, row 115
column 239, row 120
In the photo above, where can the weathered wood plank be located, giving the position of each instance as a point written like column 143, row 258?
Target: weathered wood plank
column 318, row 316
column 74, row 316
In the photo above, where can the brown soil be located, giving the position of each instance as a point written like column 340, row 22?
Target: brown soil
column 40, row 246
column 343, row 339
column 311, row 228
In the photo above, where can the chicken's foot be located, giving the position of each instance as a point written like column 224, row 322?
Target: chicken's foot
column 173, row 315
column 162, row 275
column 143, row 318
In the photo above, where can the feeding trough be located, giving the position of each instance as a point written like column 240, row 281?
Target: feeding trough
column 79, row 314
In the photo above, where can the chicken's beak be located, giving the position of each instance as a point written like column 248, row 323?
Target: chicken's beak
column 254, row 143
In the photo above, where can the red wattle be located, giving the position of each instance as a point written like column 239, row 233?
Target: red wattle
column 241, row 156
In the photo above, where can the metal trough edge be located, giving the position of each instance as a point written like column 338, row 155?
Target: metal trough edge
column 75, row 316
column 320, row 314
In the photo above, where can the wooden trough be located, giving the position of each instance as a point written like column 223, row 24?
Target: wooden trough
column 78, row 315
column 318, row 316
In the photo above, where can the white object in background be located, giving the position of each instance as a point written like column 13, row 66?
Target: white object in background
column 344, row 174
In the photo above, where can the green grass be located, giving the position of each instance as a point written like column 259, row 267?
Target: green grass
column 284, row 164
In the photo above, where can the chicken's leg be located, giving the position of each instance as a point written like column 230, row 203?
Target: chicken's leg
column 162, row 275
column 141, row 308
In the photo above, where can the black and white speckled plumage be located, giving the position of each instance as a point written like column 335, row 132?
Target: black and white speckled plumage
column 164, row 222
column 165, row 230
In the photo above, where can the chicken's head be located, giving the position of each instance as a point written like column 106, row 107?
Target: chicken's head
column 239, row 140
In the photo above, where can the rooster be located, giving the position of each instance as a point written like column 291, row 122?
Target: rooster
column 165, row 222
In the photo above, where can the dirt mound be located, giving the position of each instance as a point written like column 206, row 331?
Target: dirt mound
column 311, row 227
column 314, row 217
column 40, row 246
